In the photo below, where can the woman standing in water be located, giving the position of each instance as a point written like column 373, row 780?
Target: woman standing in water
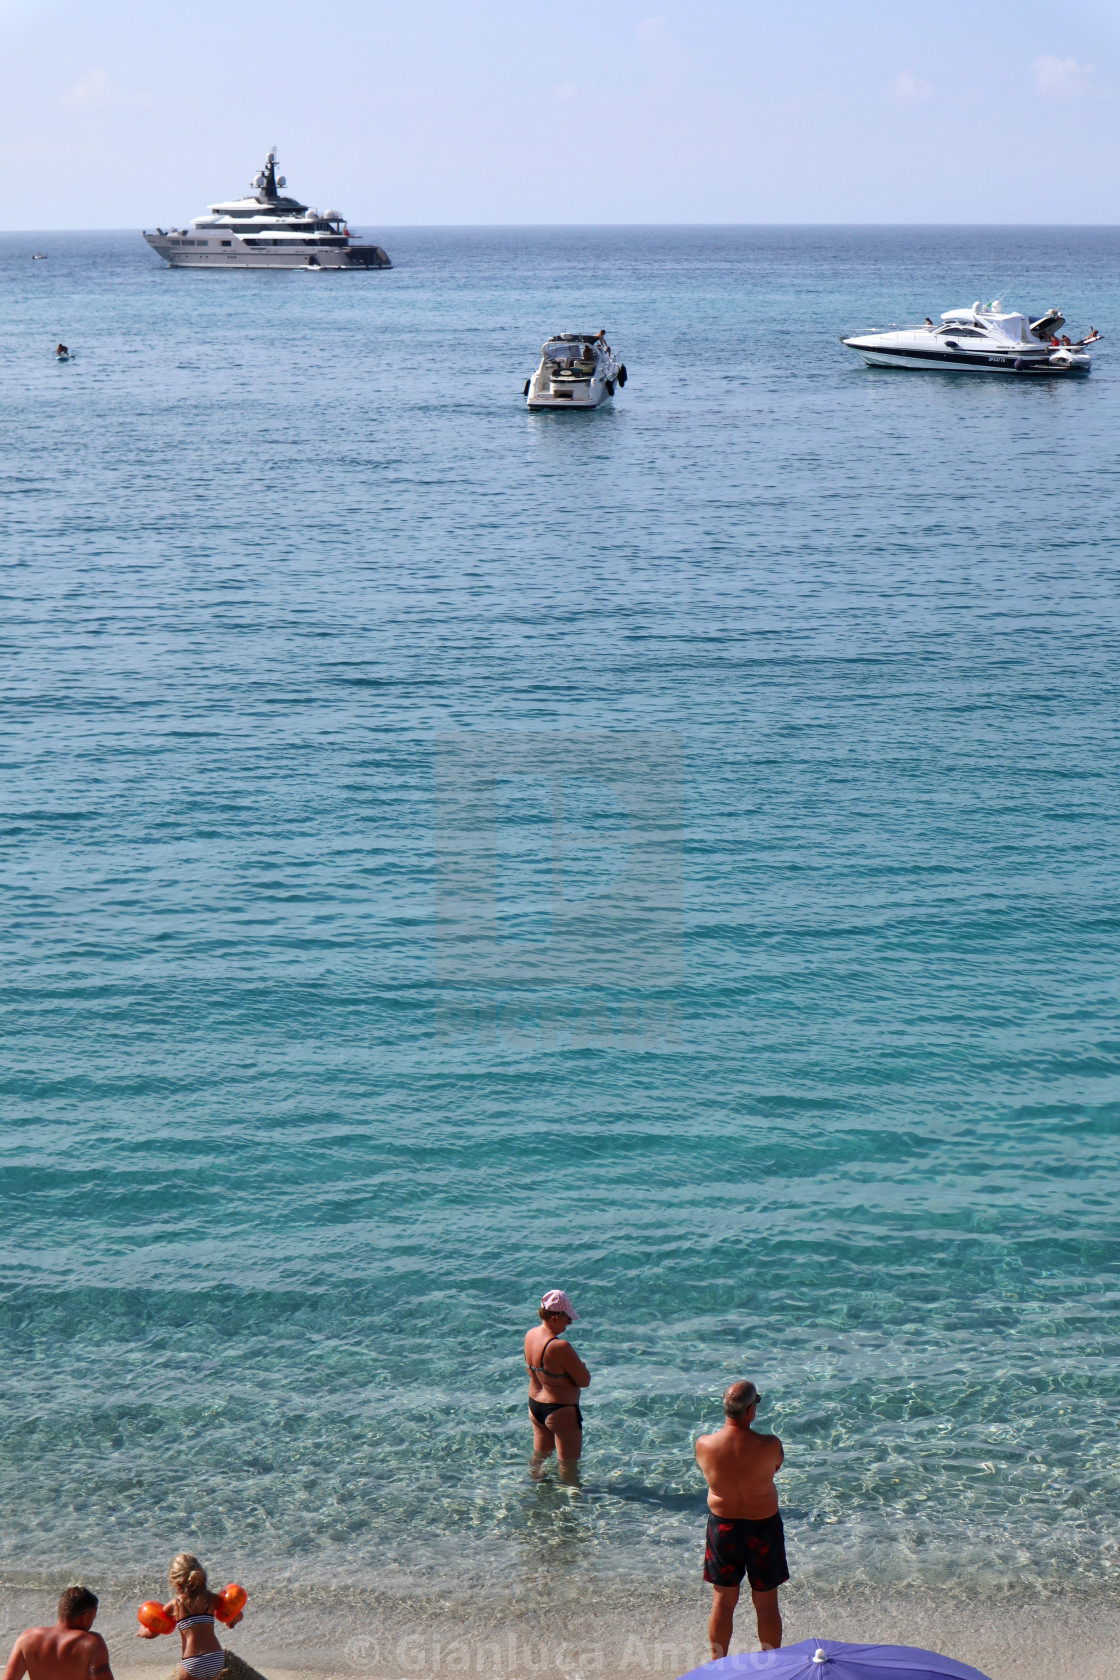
column 556, row 1375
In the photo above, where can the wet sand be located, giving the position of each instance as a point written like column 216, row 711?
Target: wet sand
column 648, row 1632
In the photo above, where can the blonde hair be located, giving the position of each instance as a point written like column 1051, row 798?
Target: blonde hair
column 187, row 1576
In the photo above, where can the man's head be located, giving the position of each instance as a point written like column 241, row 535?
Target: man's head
column 77, row 1607
column 740, row 1402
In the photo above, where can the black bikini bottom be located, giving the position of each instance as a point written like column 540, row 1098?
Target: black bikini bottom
column 541, row 1409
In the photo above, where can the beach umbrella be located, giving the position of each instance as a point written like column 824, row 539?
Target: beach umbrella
column 831, row 1659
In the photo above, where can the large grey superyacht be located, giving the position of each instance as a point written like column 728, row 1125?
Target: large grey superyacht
column 265, row 230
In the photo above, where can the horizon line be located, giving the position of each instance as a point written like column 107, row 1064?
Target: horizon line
column 510, row 227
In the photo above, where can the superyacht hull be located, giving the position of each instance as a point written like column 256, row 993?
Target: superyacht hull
column 317, row 258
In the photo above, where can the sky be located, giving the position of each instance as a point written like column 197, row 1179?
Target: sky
column 129, row 113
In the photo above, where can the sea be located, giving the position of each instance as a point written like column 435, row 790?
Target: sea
column 449, row 852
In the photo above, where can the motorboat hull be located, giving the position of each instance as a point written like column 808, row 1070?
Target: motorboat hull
column 984, row 339
column 577, row 371
column 594, row 400
column 1032, row 366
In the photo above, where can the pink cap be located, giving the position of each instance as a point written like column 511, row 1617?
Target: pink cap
column 555, row 1301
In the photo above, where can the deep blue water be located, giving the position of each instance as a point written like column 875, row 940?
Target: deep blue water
column 817, row 1081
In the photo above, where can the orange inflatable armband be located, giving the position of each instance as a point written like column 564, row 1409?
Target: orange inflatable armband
column 155, row 1618
column 231, row 1602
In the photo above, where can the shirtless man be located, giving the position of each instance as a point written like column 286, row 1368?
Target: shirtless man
column 67, row 1651
column 745, row 1534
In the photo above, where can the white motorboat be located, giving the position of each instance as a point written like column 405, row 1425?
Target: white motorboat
column 984, row 339
column 265, row 230
column 578, row 370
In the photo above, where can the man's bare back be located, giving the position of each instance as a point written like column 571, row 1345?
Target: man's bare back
column 739, row 1467
column 67, row 1651
column 745, row 1535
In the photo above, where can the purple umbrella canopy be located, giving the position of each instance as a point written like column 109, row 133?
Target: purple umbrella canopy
column 831, row 1659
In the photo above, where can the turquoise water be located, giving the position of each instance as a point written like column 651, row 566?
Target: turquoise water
column 272, row 1228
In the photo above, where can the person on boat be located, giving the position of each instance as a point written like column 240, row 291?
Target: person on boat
column 929, row 323
column 556, row 1375
column 192, row 1610
column 745, row 1534
column 69, row 1650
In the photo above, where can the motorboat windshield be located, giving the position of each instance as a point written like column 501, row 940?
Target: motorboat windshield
column 567, row 349
column 979, row 322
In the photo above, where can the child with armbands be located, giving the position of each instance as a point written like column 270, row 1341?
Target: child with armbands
column 192, row 1611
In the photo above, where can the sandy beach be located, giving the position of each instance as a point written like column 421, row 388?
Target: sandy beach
column 644, row 1632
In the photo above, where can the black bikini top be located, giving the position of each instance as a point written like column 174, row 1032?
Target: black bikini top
column 540, row 1371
